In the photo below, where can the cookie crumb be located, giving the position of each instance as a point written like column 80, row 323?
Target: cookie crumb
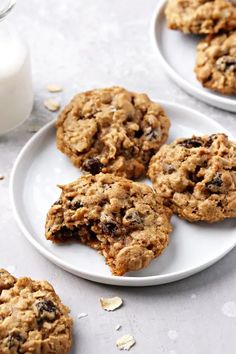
column 52, row 105
column 1, row 178
column 229, row 309
column 126, row 342
column 82, row 315
column 118, row 327
column 172, row 334
column 111, row 304
column 53, row 88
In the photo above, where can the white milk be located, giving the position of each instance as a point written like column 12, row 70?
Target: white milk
column 16, row 93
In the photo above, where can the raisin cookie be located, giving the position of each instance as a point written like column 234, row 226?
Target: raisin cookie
column 201, row 16
column 124, row 220
column 32, row 317
column 112, row 131
column 197, row 177
column 216, row 62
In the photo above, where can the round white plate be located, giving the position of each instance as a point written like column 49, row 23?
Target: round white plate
column 40, row 167
column 176, row 52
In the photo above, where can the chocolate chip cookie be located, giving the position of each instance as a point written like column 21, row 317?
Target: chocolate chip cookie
column 124, row 220
column 32, row 317
column 197, row 177
column 216, row 62
column 112, row 131
column 201, row 16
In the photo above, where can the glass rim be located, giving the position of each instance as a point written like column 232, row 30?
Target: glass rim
column 7, row 8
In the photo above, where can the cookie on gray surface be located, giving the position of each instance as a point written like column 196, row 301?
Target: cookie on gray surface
column 33, row 319
column 201, row 16
column 124, row 220
column 112, row 131
column 216, row 62
column 196, row 177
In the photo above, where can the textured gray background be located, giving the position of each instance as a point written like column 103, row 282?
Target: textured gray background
column 96, row 43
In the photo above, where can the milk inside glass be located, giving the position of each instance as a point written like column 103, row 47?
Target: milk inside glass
column 16, row 93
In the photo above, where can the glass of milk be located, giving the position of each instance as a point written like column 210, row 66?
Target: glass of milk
column 16, row 93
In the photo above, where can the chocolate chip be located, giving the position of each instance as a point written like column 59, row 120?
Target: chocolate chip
column 93, row 166
column 214, row 184
column 14, row 340
column 110, row 228
column 58, row 202
column 191, row 143
column 47, row 311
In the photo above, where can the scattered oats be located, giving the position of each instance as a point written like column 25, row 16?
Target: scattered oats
column 52, row 105
column 54, row 88
column 193, row 296
column 33, row 128
column 229, row 309
column 173, row 335
column 118, row 327
column 82, row 315
column 126, row 342
column 1, row 177
column 111, row 304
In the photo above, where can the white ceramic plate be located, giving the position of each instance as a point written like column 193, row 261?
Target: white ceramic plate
column 176, row 52
column 40, row 167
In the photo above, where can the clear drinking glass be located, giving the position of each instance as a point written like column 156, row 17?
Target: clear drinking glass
column 16, row 93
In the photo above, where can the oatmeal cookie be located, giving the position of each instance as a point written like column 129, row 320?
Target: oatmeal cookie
column 32, row 317
column 216, row 62
column 201, row 16
column 112, row 131
column 197, row 177
column 124, row 220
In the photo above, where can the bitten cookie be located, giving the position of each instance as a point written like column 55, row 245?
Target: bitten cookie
column 124, row 220
column 201, row 16
column 197, row 177
column 32, row 317
column 112, row 131
column 216, row 62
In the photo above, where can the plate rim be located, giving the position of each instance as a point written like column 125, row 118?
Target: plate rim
column 202, row 94
column 151, row 280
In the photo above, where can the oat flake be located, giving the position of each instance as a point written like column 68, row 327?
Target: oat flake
column 52, row 105
column 82, row 315
column 126, row 342
column 54, row 88
column 111, row 304
column 118, row 327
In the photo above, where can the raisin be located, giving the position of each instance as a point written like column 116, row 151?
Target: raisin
column 138, row 133
column 76, row 205
column 14, row 340
column 133, row 218
column 152, row 133
column 110, row 228
column 93, row 166
column 47, row 311
column 191, row 143
column 64, row 233
column 225, row 63
column 215, row 183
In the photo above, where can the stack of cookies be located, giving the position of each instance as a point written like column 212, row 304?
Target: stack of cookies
column 115, row 137
column 216, row 53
